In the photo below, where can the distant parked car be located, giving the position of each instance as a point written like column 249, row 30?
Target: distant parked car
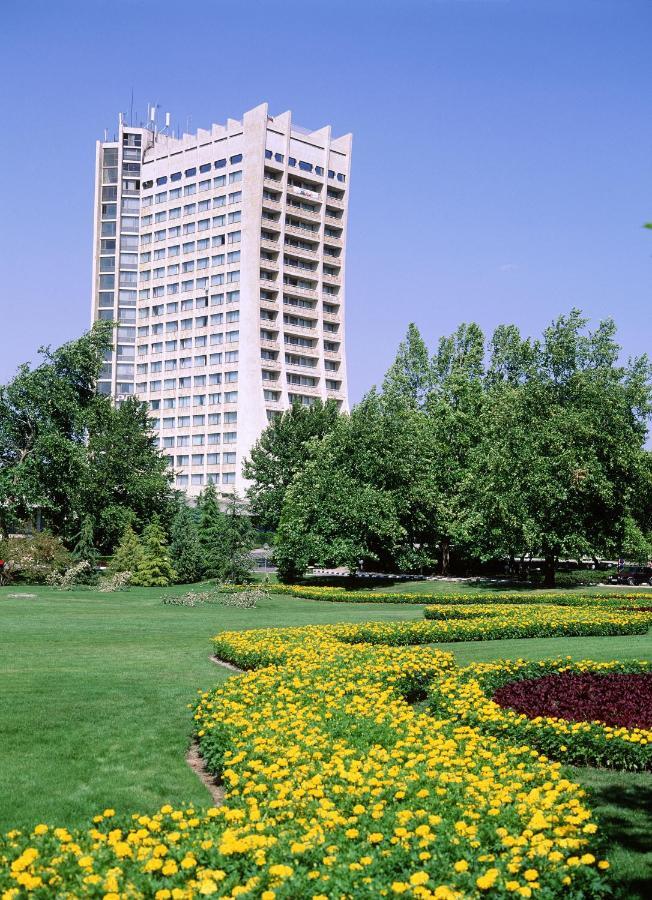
column 633, row 575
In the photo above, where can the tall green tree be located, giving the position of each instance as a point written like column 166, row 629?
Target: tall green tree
column 368, row 492
column 280, row 453
column 68, row 453
column 453, row 407
column 209, row 531
column 126, row 478
column 561, row 458
column 128, row 556
column 410, row 377
column 43, row 431
column 185, row 548
column 234, row 537
column 155, row 568
column 84, row 549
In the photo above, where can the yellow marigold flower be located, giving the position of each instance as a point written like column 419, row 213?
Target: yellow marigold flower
column 486, row 881
column 268, row 895
column 375, row 837
column 603, row 864
column 399, row 887
column 587, row 859
column 281, row 871
column 530, row 874
column 461, row 865
column 419, row 878
column 41, row 829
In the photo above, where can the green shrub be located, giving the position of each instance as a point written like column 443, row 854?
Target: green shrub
column 32, row 559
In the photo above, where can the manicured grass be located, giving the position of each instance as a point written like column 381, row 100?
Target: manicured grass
column 94, row 691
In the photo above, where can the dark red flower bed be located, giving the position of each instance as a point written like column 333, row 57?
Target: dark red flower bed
column 636, row 608
column 618, row 699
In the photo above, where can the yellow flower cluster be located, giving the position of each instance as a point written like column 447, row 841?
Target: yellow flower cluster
column 466, row 695
column 336, row 787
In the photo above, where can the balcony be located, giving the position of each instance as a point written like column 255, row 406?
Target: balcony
column 274, row 164
column 300, row 369
column 333, row 201
column 273, row 182
column 302, row 231
column 332, row 241
column 268, row 203
column 337, row 222
column 310, row 390
column 300, row 291
column 301, row 271
column 308, row 330
column 295, row 209
column 332, row 317
column 301, row 251
column 331, row 279
column 270, row 305
column 267, row 244
column 332, row 354
column 274, row 365
column 270, row 265
column 269, row 345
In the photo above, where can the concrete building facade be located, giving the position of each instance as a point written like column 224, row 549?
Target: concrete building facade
column 221, row 256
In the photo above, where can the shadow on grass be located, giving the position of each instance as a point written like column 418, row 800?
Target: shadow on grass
column 373, row 583
column 623, row 805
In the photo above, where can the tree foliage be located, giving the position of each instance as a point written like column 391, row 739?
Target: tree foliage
column 68, row 454
column 226, row 537
column 128, row 556
column 185, row 547
column 280, row 453
column 517, row 447
column 155, row 567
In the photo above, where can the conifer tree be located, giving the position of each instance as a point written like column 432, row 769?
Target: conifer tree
column 235, row 542
column 185, row 548
column 210, row 518
column 84, row 549
column 155, row 568
column 129, row 553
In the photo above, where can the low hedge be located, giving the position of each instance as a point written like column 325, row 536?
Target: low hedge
column 340, row 595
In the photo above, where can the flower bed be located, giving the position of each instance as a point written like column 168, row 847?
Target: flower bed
column 618, row 699
column 467, row 696
column 559, row 598
column 335, row 787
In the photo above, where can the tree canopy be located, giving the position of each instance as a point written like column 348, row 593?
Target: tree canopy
column 68, row 454
column 508, row 447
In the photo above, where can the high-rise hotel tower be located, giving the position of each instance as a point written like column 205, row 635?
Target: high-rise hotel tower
column 220, row 255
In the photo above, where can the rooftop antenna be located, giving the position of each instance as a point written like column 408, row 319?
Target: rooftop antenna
column 131, row 107
column 167, row 123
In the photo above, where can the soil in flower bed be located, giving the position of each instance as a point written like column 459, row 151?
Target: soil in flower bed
column 618, row 699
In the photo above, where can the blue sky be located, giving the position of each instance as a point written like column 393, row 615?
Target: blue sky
column 502, row 155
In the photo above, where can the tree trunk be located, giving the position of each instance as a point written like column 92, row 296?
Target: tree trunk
column 549, row 571
column 445, row 555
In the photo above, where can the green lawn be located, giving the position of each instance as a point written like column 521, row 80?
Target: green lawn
column 94, row 691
